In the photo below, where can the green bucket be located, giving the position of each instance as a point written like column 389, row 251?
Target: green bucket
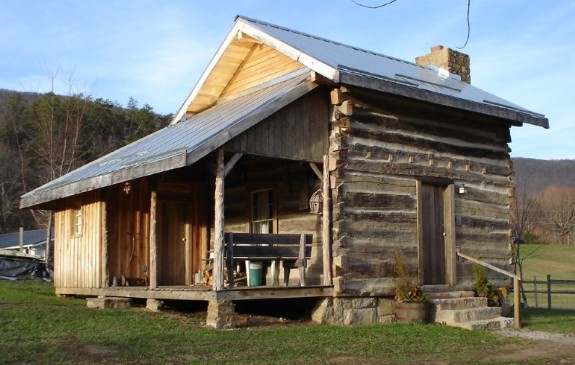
column 256, row 269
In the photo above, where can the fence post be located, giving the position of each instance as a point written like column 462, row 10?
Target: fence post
column 548, row 292
column 535, row 291
column 516, row 303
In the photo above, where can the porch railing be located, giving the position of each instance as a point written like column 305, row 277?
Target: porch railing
column 516, row 286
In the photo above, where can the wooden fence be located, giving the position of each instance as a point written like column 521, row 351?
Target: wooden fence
column 550, row 293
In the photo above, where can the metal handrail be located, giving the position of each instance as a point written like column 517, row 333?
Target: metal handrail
column 516, row 280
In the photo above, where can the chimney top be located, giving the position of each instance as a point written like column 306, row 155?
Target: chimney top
column 453, row 61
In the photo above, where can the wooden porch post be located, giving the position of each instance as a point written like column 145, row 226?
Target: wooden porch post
column 218, row 271
column 326, row 223
column 153, row 241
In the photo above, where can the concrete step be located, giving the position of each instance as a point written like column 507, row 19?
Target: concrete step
column 457, row 303
column 488, row 324
column 465, row 315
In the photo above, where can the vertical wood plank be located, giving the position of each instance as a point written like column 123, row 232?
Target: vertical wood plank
column 153, row 241
column 218, row 271
column 419, row 214
column 326, row 224
column 450, row 244
column 105, row 271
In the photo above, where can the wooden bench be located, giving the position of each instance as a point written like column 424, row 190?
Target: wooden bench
column 292, row 249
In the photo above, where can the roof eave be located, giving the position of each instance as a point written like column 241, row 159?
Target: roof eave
column 174, row 161
column 515, row 116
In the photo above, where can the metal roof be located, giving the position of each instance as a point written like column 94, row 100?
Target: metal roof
column 177, row 145
column 31, row 238
column 356, row 66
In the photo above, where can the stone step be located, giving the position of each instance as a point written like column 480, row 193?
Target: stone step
column 457, row 303
column 489, row 324
column 465, row 315
column 449, row 294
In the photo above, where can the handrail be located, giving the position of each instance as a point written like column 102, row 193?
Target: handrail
column 516, row 280
column 489, row 266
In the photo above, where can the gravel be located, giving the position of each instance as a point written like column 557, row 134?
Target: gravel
column 564, row 339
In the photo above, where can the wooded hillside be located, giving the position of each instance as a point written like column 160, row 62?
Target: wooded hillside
column 44, row 136
column 541, row 174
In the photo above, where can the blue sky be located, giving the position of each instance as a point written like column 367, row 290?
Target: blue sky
column 155, row 51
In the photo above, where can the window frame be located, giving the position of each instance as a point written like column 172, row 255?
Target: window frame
column 77, row 221
column 271, row 208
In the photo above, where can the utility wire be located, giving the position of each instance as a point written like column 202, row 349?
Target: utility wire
column 374, row 7
column 468, row 24
column 392, row 1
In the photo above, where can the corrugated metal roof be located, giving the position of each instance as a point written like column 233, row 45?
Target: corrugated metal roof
column 30, row 238
column 353, row 61
column 177, row 145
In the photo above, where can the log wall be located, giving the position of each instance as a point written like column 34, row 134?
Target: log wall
column 379, row 148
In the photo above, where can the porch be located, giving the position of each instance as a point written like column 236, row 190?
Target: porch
column 202, row 292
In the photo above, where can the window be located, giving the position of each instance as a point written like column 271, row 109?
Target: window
column 77, row 221
column 262, row 211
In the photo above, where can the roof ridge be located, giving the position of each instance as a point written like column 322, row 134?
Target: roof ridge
column 261, row 22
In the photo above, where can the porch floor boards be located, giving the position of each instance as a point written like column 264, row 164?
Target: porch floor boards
column 199, row 292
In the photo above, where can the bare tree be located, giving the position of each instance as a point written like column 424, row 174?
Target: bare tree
column 49, row 138
column 558, row 208
column 523, row 220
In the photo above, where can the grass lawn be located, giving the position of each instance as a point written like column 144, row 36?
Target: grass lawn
column 555, row 260
column 39, row 328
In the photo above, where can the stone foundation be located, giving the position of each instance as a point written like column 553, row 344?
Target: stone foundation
column 108, row 302
column 349, row 311
column 154, row 305
column 221, row 314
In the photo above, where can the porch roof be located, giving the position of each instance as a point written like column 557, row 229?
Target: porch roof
column 177, row 145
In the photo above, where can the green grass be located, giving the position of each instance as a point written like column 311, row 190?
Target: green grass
column 558, row 321
column 555, row 260
column 39, row 328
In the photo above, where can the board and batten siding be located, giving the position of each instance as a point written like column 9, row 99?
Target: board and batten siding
column 298, row 131
column 77, row 257
column 378, row 155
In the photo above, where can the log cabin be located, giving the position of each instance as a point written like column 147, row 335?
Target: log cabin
column 290, row 133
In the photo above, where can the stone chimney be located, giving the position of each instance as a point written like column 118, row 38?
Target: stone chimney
column 447, row 59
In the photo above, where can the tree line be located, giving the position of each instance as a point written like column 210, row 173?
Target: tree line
column 45, row 136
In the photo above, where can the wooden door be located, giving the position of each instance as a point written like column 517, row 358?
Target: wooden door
column 173, row 242
column 433, row 232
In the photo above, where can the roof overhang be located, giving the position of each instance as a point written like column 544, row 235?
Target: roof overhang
column 515, row 116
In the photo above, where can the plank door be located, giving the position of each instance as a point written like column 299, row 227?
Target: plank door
column 173, row 242
column 436, row 233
